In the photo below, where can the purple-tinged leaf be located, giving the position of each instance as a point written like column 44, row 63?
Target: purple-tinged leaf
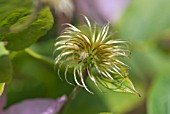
column 37, row 106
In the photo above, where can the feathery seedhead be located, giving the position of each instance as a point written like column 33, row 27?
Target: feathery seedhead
column 95, row 52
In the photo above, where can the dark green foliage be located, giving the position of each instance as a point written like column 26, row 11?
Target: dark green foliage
column 30, row 34
column 11, row 19
column 5, row 69
column 5, row 65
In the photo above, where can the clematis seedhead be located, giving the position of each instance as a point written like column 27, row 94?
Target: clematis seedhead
column 93, row 50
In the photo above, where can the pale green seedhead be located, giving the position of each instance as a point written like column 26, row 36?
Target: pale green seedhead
column 93, row 50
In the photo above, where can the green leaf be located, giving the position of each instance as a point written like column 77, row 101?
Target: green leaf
column 159, row 98
column 5, row 65
column 29, row 35
column 120, row 84
column 8, row 6
column 144, row 19
column 6, row 9
column 126, row 86
column 1, row 88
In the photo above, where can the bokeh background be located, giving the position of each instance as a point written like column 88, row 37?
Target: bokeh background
column 144, row 23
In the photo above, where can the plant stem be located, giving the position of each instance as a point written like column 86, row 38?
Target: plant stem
column 38, row 56
column 71, row 97
column 73, row 94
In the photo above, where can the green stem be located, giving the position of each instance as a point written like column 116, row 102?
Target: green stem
column 73, row 94
column 40, row 57
column 71, row 97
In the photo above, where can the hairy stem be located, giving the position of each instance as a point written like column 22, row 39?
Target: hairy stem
column 73, row 94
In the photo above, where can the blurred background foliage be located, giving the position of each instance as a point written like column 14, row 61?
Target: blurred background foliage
column 29, row 73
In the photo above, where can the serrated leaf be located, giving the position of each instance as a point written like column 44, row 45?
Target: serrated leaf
column 1, row 88
column 5, row 65
column 159, row 98
column 29, row 35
